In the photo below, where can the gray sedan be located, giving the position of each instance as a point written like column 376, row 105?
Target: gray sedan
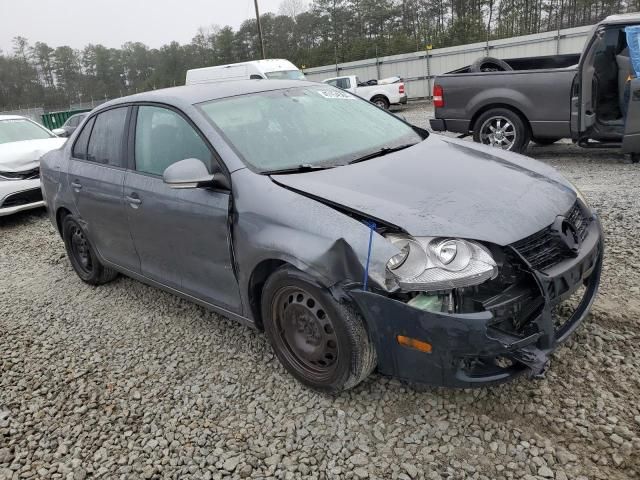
column 354, row 239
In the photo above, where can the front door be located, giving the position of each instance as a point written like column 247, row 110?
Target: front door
column 96, row 175
column 181, row 235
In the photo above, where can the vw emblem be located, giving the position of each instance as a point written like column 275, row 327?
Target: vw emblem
column 567, row 234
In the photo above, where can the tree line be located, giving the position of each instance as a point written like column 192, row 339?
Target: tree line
column 320, row 33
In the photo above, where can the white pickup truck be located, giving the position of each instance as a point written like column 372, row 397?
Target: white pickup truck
column 384, row 92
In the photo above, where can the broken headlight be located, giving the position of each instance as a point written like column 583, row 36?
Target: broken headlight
column 430, row 264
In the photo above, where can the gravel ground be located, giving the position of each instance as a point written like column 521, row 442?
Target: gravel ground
column 125, row 381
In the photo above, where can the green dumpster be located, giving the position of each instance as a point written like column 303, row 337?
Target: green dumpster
column 53, row 120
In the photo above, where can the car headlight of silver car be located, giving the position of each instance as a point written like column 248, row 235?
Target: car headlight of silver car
column 435, row 263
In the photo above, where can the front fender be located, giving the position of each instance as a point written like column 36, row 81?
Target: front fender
column 272, row 222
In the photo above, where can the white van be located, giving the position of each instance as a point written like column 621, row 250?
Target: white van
column 273, row 69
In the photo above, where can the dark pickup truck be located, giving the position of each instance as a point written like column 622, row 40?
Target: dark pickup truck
column 507, row 103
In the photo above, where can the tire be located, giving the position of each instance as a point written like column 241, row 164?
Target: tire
column 321, row 342
column 545, row 141
column 380, row 101
column 82, row 255
column 515, row 134
column 489, row 64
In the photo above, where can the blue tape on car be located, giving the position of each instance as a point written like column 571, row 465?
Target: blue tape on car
column 372, row 227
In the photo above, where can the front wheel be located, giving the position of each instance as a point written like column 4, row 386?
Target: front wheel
column 321, row 342
column 501, row 128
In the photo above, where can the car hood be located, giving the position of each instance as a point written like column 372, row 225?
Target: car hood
column 25, row 155
column 446, row 187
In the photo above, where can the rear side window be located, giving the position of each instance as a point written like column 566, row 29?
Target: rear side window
column 107, row 137
column 343, row 83
column 80, row 147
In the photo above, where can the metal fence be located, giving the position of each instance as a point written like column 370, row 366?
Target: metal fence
column 419, row 68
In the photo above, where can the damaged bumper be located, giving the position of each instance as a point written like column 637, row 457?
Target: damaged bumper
column 472, row 349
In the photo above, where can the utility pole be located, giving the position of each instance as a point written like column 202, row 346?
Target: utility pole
column 255, row 2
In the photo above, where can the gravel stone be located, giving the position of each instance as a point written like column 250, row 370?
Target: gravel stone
column 126, row 381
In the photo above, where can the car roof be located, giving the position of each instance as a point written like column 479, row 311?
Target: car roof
column 203, row 92
column 621, row 19
column 12, row 117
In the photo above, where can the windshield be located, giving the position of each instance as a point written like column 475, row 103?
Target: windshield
column 18, row 130
column 315, row 126
column 285, row 75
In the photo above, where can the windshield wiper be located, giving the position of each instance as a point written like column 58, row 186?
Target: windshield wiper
column 305, row 167
column 379, row 153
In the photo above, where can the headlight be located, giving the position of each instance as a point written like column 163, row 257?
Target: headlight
column 430, row 264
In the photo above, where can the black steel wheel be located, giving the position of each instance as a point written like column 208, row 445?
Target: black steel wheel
column 321, row 342
column 305, row 332
column 81, row 254
column 501, row 128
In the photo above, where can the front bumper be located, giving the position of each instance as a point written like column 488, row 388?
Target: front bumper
column 465, row 345
column 19, row 195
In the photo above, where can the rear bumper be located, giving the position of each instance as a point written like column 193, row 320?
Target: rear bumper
column 465, row 346
column 451, row 125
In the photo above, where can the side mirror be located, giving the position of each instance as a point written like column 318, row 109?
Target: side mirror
column 59, row 132
column 191, row 173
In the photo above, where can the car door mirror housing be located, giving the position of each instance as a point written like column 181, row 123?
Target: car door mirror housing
column 192, row 173
column 59, row 132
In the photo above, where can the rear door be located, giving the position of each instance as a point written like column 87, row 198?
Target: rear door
column 96, row 176
column 181, row 235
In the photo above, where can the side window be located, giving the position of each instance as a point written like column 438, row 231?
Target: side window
column 256, row 77
column 333, row 83
column 107, row 137
column 344, row 83
column 163, row 138
column 80, row 147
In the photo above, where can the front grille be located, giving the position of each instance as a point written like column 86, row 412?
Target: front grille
column 26, row 175
column 543, row 250
column 22, row 198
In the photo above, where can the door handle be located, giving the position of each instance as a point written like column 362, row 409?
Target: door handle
column 134, row 200
column 77, row 185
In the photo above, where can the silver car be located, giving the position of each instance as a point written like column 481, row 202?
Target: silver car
column 22, row 143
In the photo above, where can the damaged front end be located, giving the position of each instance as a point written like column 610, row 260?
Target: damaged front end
column 501, row 327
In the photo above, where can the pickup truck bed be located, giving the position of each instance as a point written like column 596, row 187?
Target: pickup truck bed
column 538, row 87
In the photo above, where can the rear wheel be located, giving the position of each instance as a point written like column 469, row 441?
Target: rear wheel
column 501, row 128
column 82, row 256
column 321, row 342
column 381, row 102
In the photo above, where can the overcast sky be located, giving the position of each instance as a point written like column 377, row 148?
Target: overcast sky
column 114, row 22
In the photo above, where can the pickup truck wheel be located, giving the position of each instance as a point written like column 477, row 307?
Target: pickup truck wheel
column 323, row 343
column 503, row 129
column 381, row 102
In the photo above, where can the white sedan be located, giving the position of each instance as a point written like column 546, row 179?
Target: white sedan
column 22, row 143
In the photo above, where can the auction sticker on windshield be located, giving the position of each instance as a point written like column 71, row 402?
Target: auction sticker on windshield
column 336, row 94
